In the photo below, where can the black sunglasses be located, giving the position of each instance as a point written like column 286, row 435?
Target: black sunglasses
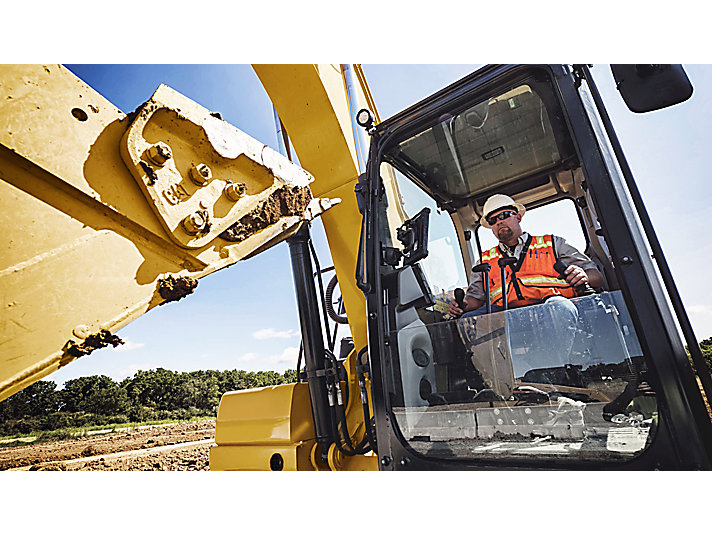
column 500, row 217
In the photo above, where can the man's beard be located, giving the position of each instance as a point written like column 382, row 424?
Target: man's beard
column 505, row 234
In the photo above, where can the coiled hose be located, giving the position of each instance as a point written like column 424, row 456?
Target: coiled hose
column 329, row 305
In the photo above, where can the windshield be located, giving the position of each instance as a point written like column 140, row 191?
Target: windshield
column 559, row 380
column 486, row 145
column 538, row 382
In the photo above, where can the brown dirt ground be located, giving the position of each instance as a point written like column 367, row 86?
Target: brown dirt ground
column 53, row 456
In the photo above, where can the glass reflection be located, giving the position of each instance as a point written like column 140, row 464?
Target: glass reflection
column 565, row 378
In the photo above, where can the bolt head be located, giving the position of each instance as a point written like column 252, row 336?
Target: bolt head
column 200, row 174
column 195, row 222
column 234, row 191
column 159, row 153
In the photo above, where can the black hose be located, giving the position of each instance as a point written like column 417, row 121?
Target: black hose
column 331, row 385
column 338, row 420
column 321, row 290
column 299, row 359
column 364, row 399
column 329, row 305
column 340, row 412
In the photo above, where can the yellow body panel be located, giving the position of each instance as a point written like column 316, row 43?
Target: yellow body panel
column 273, row 414
column 255, row 425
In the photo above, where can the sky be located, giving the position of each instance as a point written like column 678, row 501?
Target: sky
column 245, row 317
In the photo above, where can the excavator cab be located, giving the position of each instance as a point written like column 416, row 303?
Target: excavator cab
column 602, row 383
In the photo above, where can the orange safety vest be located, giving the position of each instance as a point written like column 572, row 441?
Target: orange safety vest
column 532, row 278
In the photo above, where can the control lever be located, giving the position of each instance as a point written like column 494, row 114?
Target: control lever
column 581, row 289
column 485, row 268
column 459, row 298
column 503, row 262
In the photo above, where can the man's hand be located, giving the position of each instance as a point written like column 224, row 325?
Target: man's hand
column 470, row 303
column 453, row 309
column 575, row 275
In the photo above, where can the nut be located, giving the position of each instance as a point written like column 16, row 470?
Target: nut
column 195, row 222
column 159, row 153
column 200, row 174
column 234, row 191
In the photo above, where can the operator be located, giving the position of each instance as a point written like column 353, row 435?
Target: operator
column 532, row 280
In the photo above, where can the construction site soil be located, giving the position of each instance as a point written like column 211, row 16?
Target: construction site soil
column 174, row 447
column 171, row 447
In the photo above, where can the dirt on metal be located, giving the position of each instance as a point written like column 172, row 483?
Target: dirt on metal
column 152, row 177
column 284, row 202
column 176, row 287
column 101, row 339
column 145, row 449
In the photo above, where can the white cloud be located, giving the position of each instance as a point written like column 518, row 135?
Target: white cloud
column 268, row 333
column 289, row 355
column 279, row 362
column 699, row 308
column 128, row 345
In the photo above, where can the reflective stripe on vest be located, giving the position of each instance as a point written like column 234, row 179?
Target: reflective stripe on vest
column 536, row 276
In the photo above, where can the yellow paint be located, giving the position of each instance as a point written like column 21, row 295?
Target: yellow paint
column 85, row 246
column 255, row 424
column 312, row 103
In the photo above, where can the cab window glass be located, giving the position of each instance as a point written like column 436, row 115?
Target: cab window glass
column 496, row 141
column 558, row 218
column 563, row 380
column 443, row 266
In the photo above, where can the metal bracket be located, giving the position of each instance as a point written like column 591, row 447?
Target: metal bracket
column 579, row 74
column 199, row 173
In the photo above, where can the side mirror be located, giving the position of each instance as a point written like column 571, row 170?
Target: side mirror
column 650, row 87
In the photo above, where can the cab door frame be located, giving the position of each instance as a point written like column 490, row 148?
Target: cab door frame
column 684, row 436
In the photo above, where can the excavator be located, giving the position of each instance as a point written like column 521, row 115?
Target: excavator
column 111, row 214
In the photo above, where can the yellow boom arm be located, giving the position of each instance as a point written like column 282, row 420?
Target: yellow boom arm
column 107, row 216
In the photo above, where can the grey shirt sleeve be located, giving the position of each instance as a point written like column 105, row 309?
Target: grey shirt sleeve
column 476, row 288
column 571, row 256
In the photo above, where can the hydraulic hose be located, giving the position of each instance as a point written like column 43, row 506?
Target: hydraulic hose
column 360, row 370
column 338, row 420
column 329, row 305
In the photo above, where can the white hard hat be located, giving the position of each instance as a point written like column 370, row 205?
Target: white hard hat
column 496, row 203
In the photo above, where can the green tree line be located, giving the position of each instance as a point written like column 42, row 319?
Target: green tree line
column 148, row 396
column 706, row 349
